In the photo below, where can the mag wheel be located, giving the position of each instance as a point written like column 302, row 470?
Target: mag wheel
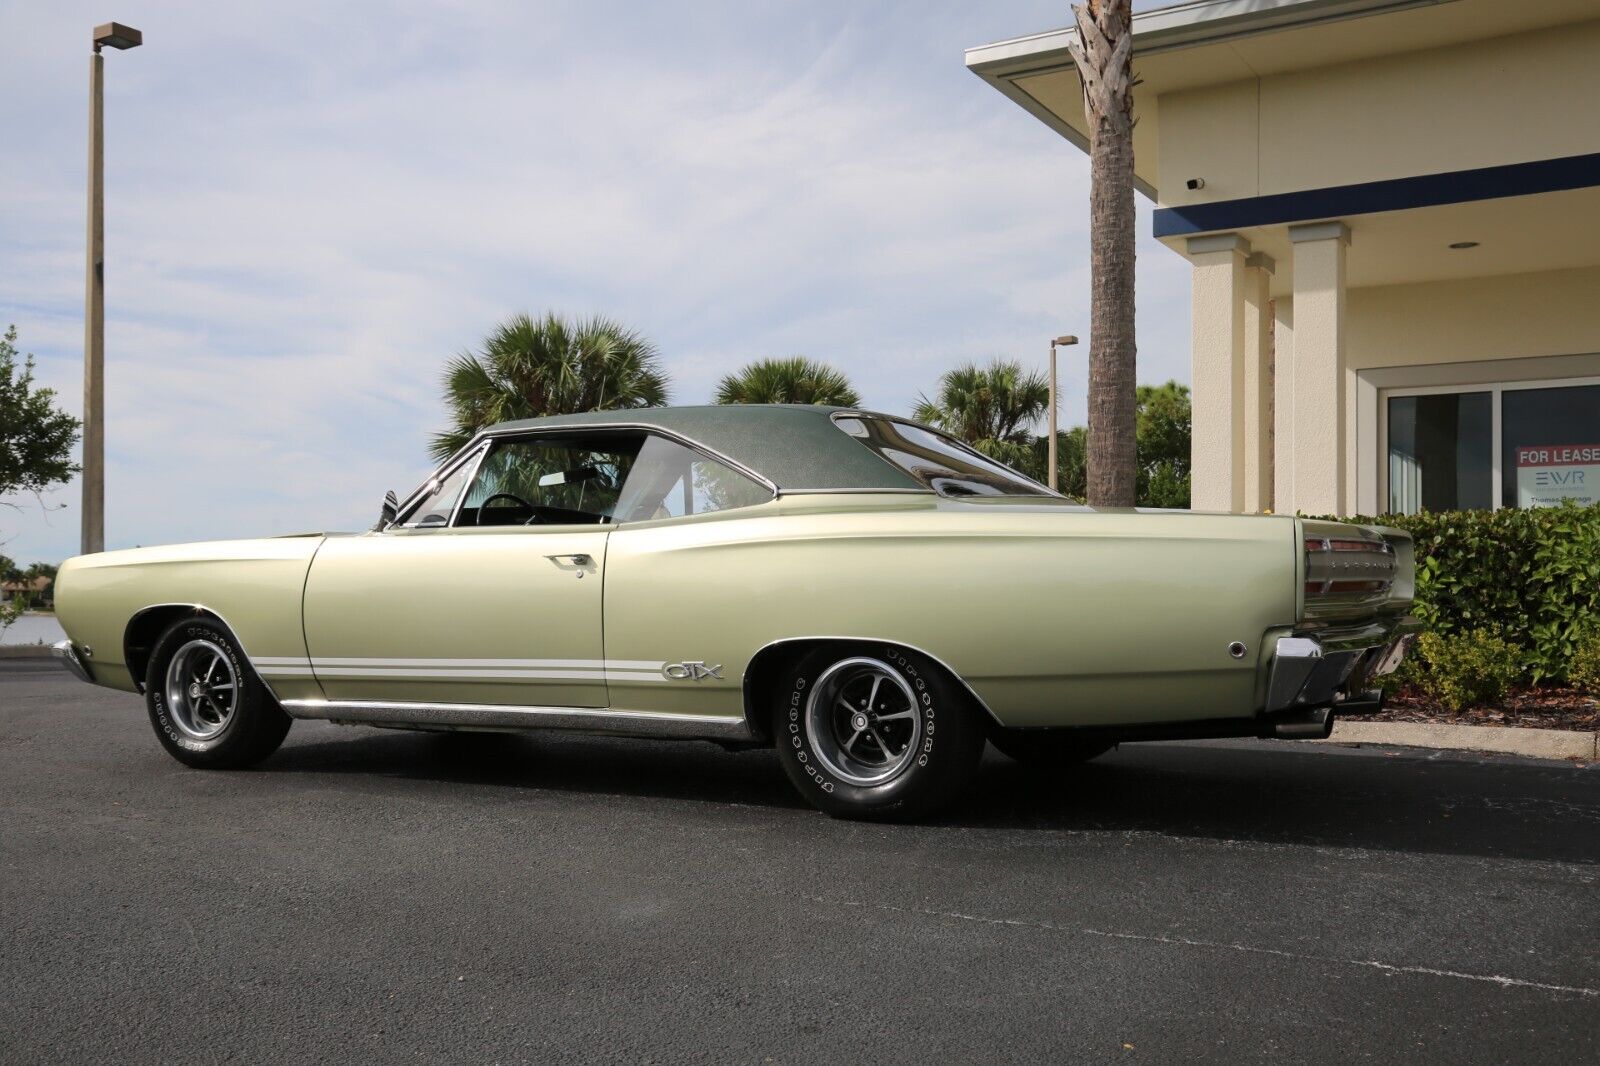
column 875, row 732
column 202, row 689
column 207, row 706
column 863, row 722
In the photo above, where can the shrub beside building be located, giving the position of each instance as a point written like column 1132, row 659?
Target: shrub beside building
column 1508, row 597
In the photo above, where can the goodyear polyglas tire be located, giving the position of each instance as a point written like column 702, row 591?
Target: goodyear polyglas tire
column 875, row 731
column 207, row 706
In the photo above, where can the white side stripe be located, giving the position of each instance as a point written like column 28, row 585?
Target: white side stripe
column 464, row 669
column 519, row 664
column 502, row 664
column 480, row 675
column 462, row 675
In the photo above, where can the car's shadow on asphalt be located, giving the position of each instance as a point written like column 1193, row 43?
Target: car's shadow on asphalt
column 555, row 762
column 1267, row 792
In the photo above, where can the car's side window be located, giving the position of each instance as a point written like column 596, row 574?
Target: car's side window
column 670, row 480
column 550, row 479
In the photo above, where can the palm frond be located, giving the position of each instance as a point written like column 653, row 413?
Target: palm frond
column 529, row 367
column 794, row 379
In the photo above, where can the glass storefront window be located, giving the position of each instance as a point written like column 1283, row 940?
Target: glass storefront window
column 1440, row 452
column 1550, row 446
column 1442, row 447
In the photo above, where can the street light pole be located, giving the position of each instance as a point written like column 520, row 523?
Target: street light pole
column 1063, row 341
column 94, row 329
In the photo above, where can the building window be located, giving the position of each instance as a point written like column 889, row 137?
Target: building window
column 1522, row 444
column 1441, row 452
column 1551, row 446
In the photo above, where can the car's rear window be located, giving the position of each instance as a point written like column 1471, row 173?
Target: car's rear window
column 942, row 463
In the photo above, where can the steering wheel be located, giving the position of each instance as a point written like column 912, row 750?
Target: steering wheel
column 518, row 500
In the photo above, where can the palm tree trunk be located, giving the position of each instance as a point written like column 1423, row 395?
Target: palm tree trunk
column 1103, row 54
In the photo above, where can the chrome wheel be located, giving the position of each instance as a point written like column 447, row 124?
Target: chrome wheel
column 202, row 689
column 863, row 722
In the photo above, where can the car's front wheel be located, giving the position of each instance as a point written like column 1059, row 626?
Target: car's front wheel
column 875, row 732
column 207, row 705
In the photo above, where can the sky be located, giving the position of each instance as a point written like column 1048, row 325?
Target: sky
column 312, row 206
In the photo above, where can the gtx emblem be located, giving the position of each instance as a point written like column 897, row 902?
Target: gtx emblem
column 691, row 671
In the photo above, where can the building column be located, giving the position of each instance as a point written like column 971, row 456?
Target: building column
column 1319, row 387
column 1217, row 450
column 1258, row 400
column 1283, row 405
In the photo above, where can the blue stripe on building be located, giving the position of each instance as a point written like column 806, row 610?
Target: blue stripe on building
column 1397, row 194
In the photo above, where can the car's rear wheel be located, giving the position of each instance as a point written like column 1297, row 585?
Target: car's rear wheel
column 875, row 732
column 207, row 705
column 1048, row 749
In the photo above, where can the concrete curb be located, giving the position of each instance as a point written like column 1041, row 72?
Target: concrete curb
column 1537, row 743
column 24, row 651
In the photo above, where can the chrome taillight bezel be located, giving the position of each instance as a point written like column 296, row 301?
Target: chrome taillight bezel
column 1348, row 567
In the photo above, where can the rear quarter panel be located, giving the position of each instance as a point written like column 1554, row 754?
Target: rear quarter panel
column 255, row 586
column 1054, row 616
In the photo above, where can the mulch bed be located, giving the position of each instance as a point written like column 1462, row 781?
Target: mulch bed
column 1535, row 708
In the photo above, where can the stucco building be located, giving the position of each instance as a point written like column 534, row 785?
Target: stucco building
column 1392, row 210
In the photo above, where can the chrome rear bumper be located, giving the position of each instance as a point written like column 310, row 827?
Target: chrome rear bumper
column 70, row 661
column 1321, row 669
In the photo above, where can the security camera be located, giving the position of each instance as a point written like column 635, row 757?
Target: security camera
column 1195, row 183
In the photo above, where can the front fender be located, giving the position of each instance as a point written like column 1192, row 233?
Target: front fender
column 253, row 586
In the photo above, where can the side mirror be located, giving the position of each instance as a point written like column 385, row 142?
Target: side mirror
column 391, row 508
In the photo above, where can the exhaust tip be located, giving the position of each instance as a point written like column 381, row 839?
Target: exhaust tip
column 1302, row 725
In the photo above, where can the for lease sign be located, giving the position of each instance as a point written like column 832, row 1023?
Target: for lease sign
column 1550, row 473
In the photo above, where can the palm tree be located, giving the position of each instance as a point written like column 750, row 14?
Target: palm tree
column 1103, row 53
column 548, row 366
column 993, row 409
column 792, row 380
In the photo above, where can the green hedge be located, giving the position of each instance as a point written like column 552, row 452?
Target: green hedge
column 1532, row 576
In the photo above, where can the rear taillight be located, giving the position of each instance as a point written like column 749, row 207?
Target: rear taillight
column 1339, row 566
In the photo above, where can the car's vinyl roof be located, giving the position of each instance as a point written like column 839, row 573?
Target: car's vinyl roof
column 795, row 446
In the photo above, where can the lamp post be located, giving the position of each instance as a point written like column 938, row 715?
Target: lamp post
column 94, row 328
column 1063, row 342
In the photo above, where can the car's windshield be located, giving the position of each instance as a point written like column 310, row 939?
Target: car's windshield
column 438, row 500
column 941, row 463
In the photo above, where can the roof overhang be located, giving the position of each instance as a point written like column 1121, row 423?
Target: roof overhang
column 1216, row 42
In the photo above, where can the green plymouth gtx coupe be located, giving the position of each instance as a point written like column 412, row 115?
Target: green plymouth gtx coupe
column 866, row 595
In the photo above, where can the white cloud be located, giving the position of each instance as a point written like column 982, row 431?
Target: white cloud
column 307, row 216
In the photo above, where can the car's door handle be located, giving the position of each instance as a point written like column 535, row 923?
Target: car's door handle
column 576, row 559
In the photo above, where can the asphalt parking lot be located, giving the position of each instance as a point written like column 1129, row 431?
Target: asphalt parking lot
column 375, row 895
